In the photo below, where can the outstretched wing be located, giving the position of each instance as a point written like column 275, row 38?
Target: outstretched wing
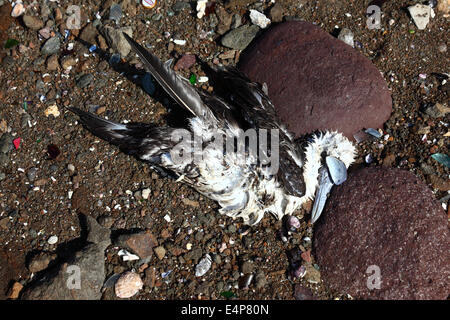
column 179, row 89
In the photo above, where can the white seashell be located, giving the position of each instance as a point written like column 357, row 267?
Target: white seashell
column 18, row 10
column 259, row 19
column 128, row 285
column 203, row 266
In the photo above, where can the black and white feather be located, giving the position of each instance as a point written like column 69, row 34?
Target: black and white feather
column 246, row 190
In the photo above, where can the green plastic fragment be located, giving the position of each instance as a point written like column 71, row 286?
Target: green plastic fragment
column 227, row 294
column 25, row 105
column 11, row 43
column 442, row 159
column 412, row 31
column 193, row 79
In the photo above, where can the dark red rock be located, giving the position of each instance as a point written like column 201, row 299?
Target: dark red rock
column 390, row 219
column 185, row 62
column 317, row 81
column 303, row 293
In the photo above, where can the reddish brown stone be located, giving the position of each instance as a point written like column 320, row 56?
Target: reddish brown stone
column 390, row 219
column 185, row 62
column 316, row 81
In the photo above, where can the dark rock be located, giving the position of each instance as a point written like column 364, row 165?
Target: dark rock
column 225, row 20
column 316, row 81
column 84, row 80
column 6, row 143
column 247, row 267
column 387, row 219
column 180, row 6
column 89, row 34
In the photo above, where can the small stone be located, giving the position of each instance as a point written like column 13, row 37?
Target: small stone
column 420, row 14
column 203, row 266
column 236, row 21
column 312, row 274
column 150, row 277
column 89, row 33
column 276, row 12
column 437, row 111
column 160, row 252
column 240, row 38
column 128, row 285
column 259, row 19
column 52, row 110
column 52, row 240
column 247, row 267
column 18, row 10
column 261, row 280
column 116, row 39
column 302, row 293
column 190, row 203
column 145, row 193
column 31, row 174
column 84, row 80
column 32, row 22
column 15, row 290
column 346, row 35
column 185, row 62
column 6, row 143
column 142, row 244
column 180, row 6
column 444, row 6
column 51, row 46
column 52, row 63
column 106, row 221
column 224, row 20
column 442, row 48
column 40, row 262
column 68, row 62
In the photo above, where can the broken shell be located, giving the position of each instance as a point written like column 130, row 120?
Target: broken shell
column 292, row 223
column 128, row 285
column 203, row 266
column 298, row 272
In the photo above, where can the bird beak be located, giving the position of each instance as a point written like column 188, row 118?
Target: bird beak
column 334, row 173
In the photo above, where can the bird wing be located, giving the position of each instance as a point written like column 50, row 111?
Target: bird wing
column 179, row 89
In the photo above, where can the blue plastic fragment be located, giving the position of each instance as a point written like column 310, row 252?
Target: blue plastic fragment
column 373, row 132
column 93, row 48
column 442, row 159
column 66, row 34
column 147, row 84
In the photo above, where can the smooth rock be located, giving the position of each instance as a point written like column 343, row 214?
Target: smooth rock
column 276, row 12
column 383, row 235
column 240, row 38
column 316, row 81
column 141, row 243
column 185, row 62
column 32, row 22
column 51, row 46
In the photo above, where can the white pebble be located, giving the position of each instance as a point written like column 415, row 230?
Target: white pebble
column 179, row 42
column 201, row 7
column 167, row 218
column 259, row 19
column 145, row 193
column 52, row 240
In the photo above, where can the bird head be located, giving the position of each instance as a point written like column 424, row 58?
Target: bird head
column 327, row 157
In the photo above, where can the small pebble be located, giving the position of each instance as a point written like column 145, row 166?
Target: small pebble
column 52, row 240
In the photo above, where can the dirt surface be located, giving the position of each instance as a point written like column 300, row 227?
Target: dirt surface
column 78, row 173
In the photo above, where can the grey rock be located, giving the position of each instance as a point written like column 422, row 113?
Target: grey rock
column 4, row 159
column 51, row 46
column 236, row 21
column 84, row 80
column 261, row 280
column 2, row 176
column 116, row 40
column 79, row 278
column 247, row 267
column 31, row 174
column 41, row 261
column 276, row 12
column 240, row 38
column 180, row 6
column 6, row 143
